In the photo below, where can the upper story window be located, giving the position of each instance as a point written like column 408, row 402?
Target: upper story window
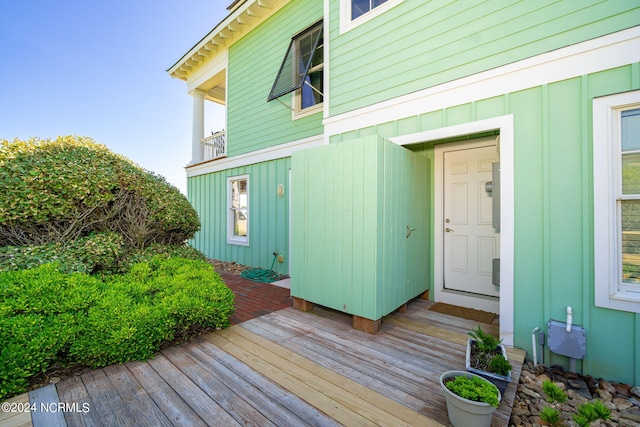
column 356, row 12
column 616, row 164
column 302, row 70
column 360, row 7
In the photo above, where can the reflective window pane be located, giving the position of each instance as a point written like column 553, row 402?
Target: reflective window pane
column 360, row 7
column 630, row 130
column 239, row 200
column 631, row 173
column 630, row 215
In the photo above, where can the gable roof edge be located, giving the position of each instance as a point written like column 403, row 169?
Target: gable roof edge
column 236, row 25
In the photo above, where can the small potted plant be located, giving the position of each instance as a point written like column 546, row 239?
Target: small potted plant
column 487, row 357
column 471, row 399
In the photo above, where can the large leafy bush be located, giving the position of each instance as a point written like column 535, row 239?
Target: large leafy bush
column 96, row 253
column 48, row 317
column 64, row 189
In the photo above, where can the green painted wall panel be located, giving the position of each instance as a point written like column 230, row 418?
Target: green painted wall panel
column 268, row 215
column 565, row 198
column 352, row 200
column 439, row 41
column 253, row 123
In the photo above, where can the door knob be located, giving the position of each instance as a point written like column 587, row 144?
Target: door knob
column 448, row 230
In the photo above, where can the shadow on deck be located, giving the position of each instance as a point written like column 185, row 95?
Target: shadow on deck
column 286, row 368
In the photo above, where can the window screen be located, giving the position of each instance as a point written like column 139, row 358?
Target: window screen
column 296, row 63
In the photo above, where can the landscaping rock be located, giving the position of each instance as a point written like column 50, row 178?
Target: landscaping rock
column 621, row 399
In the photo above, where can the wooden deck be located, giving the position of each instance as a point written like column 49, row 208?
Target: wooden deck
column 287, row 368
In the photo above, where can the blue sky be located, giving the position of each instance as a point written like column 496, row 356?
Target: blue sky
column 97, row 68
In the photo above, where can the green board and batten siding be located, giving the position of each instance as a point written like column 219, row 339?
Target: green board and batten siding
column 426, row 43
column 254, row 61
column 553, row 210
column 268, row 214
column 353, row 202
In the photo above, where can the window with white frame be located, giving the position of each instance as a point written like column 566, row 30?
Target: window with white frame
column 356, row 12
column 238, row 210
column 616, row 166
column 302, row 71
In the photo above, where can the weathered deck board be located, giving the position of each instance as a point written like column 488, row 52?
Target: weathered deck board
column 319, row 386
column 206, row 408
column 289, row 368
column 135, row 397
column 170, row 403
column 224, row 396
column 16, row 418
column 47, row 413
column 280, row 406
column 104, row 398
column 73, row 390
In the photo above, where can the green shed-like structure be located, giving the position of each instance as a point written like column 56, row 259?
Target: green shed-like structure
column 359, row 227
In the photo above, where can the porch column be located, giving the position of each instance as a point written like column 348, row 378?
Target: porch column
column 198, row 126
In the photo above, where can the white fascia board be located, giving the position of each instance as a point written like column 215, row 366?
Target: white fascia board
column 603, row 53
column 215, row 66
column 264, row 155
column 232, row 20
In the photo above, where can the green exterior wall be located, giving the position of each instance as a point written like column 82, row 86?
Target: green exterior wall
column 268, row 215
column 346, row 252
column 254, row 61
column 553, row 248
column 353, row 202
column 426, row 43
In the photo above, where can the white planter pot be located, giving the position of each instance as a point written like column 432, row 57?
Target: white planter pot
column 463, row 412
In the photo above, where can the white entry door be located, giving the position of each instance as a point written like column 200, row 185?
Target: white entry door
column 470, row 243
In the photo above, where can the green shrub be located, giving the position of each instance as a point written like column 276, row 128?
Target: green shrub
column 551, row 416
column 98, row 252
column 63, row 189
column 48, row 317
column 165, row 251
column 553, row 392
column 590, row 412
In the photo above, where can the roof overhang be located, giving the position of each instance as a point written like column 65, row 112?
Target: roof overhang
column 243, row 18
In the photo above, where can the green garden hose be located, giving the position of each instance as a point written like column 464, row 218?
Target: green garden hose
column 261, row 275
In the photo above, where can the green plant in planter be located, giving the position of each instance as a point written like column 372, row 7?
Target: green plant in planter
column 475, row 389
column 486, row 343
column 489, row 357
column 499, row 365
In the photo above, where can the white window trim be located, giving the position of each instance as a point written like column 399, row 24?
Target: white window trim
column 232, row 239
column 606, row 171
column 347, row 24
column 297, row 112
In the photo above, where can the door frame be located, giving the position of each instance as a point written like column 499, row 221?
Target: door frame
column 504, row 125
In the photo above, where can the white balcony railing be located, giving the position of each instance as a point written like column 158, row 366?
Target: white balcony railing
column 214, row 146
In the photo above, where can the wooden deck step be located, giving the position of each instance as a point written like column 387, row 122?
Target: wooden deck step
column 346, row 401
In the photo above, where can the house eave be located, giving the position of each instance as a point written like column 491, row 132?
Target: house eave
column 242, row 19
